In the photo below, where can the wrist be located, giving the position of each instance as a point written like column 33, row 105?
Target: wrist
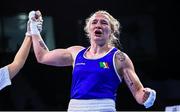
column 27, row 34
column 34, row 29
column 150, row 100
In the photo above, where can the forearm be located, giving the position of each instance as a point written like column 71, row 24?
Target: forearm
column 137, row 91
column 139, row 96
column 20, row 57
column 144, row 96
column 40, row 48
column 134, row 85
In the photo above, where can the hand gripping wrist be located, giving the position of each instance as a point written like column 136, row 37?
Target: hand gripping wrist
column 150, row 101
column 34, row 26
column 31, row 15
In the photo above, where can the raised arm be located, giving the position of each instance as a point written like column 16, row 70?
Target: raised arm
column 144, row 96
column 57, row 57
column 20, row 57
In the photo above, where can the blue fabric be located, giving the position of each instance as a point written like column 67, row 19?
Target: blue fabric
column 92, row 80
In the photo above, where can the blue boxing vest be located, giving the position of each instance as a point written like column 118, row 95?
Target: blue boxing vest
column 95, row 78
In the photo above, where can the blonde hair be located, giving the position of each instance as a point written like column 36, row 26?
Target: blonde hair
column 115, row 25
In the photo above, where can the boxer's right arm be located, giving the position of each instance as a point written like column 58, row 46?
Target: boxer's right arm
column 57, row 57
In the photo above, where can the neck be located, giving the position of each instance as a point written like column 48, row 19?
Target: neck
column 96, row 49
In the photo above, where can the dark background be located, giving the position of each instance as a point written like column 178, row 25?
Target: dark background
column 149, row 35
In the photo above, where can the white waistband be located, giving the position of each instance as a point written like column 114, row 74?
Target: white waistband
column 95, row 105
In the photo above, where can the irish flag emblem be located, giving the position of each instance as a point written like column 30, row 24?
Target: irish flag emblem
column 103, row 65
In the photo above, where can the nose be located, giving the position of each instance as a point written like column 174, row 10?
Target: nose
column 98, row 25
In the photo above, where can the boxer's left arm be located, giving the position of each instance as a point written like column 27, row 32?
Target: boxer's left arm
column 144, row 96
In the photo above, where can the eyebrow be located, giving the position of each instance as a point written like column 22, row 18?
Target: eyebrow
column 103, row 20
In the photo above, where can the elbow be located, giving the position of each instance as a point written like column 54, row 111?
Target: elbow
column 14, row 68
column 39, row 58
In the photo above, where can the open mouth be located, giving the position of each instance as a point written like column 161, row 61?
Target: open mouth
column 98, row 33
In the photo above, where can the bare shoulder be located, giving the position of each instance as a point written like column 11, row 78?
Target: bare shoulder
column 120, row 56
column 122, row 59
column 74, row 50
